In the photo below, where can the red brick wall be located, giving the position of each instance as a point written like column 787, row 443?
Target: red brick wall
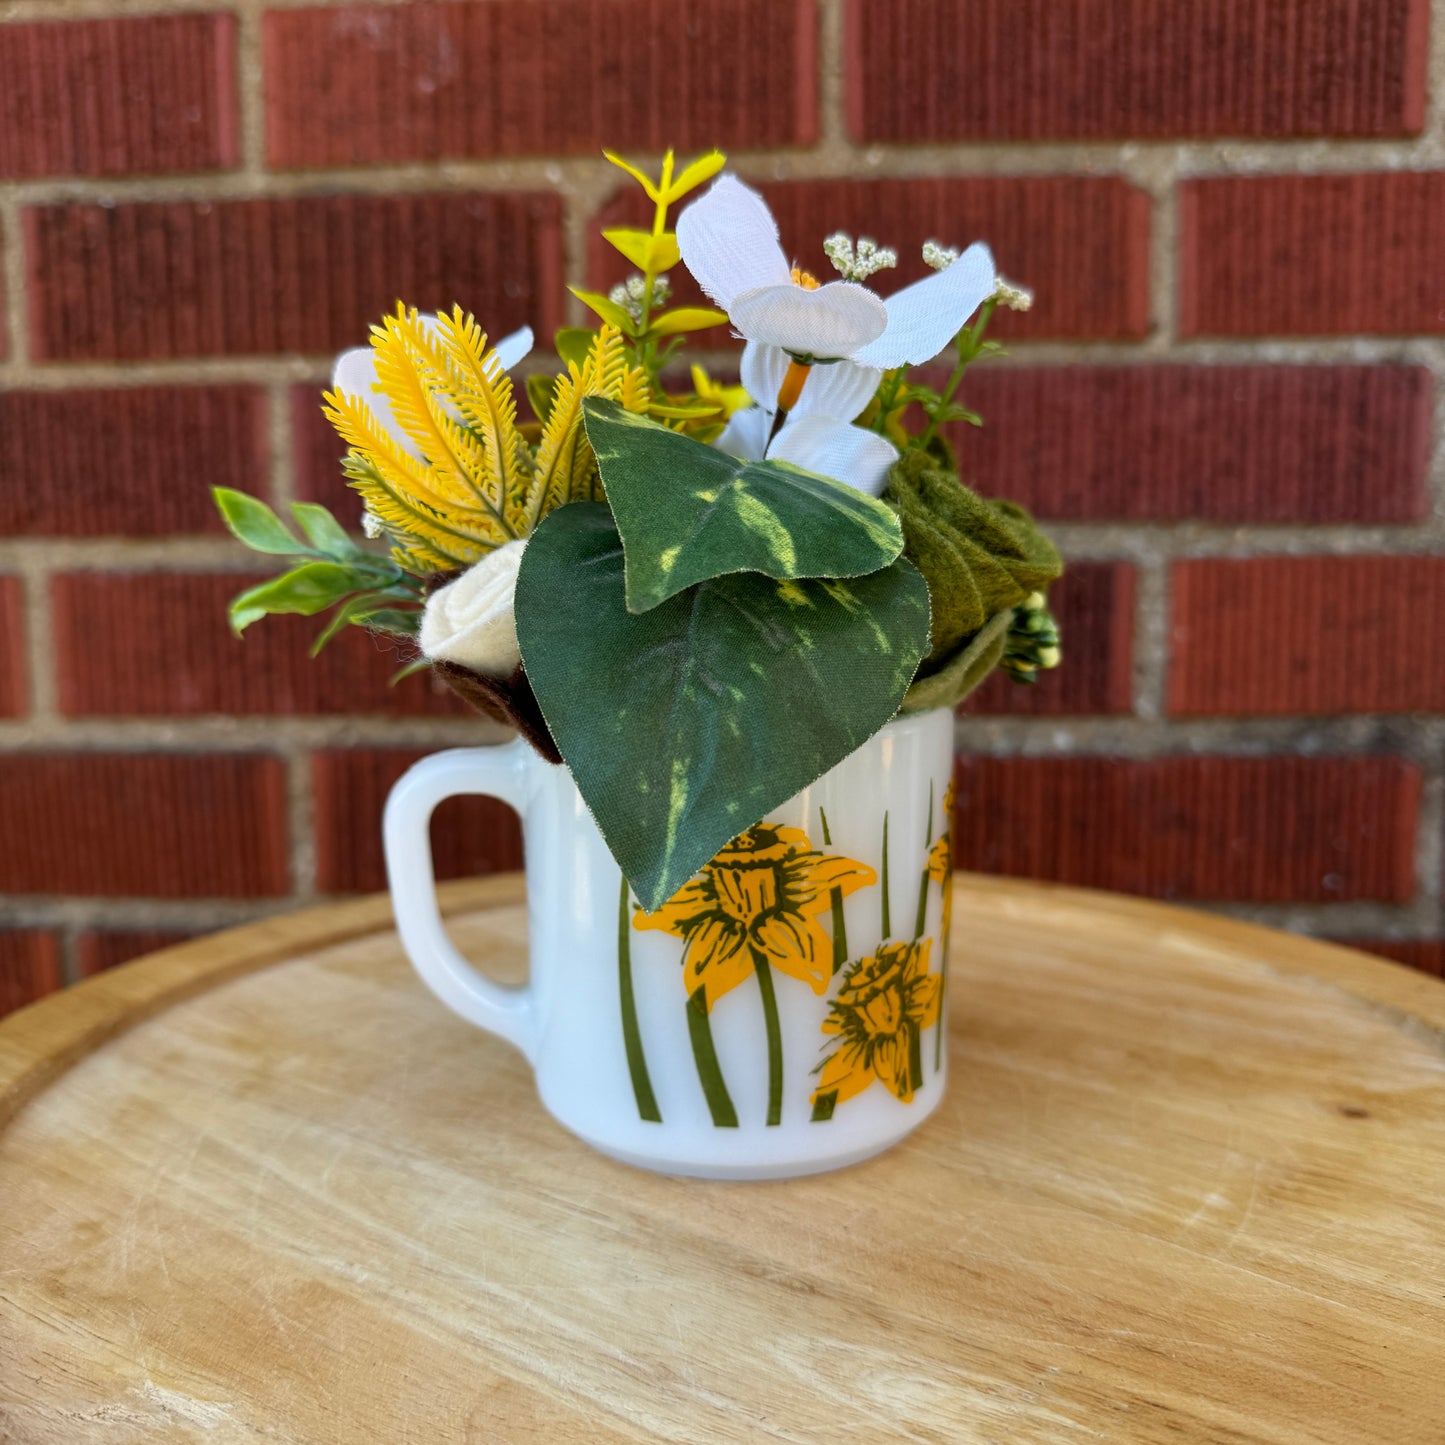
column 1224, row 401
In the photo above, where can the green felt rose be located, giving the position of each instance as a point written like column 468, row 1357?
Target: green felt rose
column 981, row 559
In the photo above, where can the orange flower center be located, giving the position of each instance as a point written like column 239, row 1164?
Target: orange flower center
column 804, row 279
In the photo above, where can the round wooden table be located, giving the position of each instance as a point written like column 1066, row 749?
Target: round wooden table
column 1189, row 1184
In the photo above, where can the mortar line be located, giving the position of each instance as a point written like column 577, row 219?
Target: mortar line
column 84, row 912
column 250, row 84
column 280, row 442
column 1164, row 259
column 1150, row 638
column 832, row 100
column 68, row 943
column 300, row 824
column 12, row 281
column 288, row 368
column 36, row 571
column 834, row 158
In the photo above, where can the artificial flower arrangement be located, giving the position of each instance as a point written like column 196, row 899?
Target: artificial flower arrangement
column 699, row 597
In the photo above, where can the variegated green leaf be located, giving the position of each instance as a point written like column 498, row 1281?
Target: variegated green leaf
column 685, row 724
column 688, row 512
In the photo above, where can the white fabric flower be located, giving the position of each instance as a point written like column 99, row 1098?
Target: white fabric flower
column 471, row 621
column 817, row 435
column 729, row 241
column 354, row 374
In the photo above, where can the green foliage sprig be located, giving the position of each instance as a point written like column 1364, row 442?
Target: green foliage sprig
column 366, row 590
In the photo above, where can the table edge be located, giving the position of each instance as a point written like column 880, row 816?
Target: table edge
column 42, row 1040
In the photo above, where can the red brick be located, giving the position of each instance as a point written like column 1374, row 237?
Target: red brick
column 1278, row 444
column 157, row 644
column 316, row 453
column 105, row 949
column 29, row 967
column 302, row 274
column 1260, row 830
column 1426, row 954
column 116, row 97
column 135, row 461
column 1082, row 242
column 173, row 825
column 1312, row 255
column 1094, row 604
column 1029, row 70
column 470, row 836
column 14, row 692
column 362, row 85
column 1308, row 635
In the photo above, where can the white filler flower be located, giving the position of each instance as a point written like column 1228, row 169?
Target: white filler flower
column 471, row 621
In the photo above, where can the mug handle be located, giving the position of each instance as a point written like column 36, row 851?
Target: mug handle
column 506, row 773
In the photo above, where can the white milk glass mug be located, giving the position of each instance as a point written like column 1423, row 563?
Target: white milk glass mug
column 782, row 1014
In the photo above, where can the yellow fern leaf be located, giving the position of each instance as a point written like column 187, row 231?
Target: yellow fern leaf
column 483, row 395
column 399, row 489
column 407, row 375
column 418, row 544
column 460, row 488
column 566, row 468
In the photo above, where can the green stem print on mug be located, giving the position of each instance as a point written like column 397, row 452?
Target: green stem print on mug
column 631, row 1034
column 940, row 871
column 835, row 899
column 926, row 875
column 752, row 909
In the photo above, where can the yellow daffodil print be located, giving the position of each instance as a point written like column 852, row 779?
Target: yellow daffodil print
column 940, row 863
column 886, row 1001
column 756, row 902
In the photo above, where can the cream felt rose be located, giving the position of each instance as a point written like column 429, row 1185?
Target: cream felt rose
column 470, row 621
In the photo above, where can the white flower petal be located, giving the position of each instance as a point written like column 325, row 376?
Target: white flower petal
column 746, row 434
column 512, row 350
column 354, row 374
column 729, row 241
column 762, row 371
column 841, row 389
column 924, row 317
column 834, row 320
column 832, row 448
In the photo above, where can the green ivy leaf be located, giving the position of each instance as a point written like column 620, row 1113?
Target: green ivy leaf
column 325, row 533
column 251, row 521
column 307, row 590
column 685, row 724
column 688, row 512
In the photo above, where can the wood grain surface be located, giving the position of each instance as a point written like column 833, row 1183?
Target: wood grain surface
column 1189, row 1184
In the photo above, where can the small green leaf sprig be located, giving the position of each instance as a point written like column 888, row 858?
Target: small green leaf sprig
column 333, row 572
